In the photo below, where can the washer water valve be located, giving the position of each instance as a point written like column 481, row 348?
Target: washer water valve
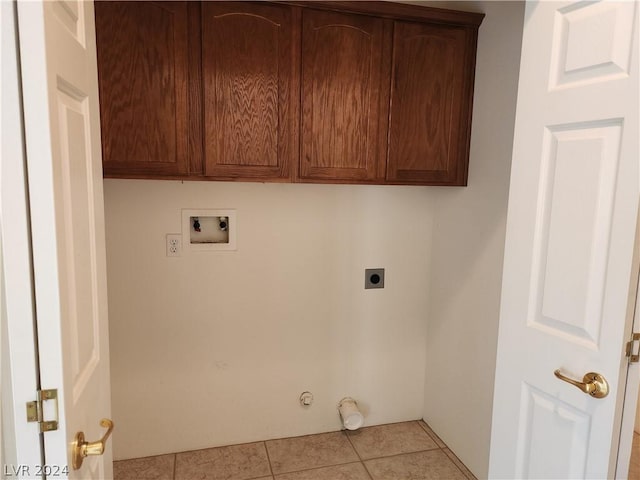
column 306, row 399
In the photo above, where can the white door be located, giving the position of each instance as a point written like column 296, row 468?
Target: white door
column 62, row 132
column 569, row 269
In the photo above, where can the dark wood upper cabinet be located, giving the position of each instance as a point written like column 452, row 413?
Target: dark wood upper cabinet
column 143, row 82
column 431, row 100
column 344, row 98
column 250, row 89
column 319, row 92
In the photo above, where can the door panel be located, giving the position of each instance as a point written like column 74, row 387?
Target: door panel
column 431, row 91
column 248, row 71
column 569, row 270
column 609, row 33
column 538, row 457
column 83, row 347
column 345, row 78
column 69, row 14
column 62, row 131
column 577, row 187
column 143, row 69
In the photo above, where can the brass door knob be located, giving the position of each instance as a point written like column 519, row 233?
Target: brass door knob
column 82, row 448
column 592, row 383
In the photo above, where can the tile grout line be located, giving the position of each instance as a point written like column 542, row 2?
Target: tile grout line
column 358, row 454
column 268, row 459
column 175, row 465
column 431, row 433
column 318, row 467
column 464, row 473
column 404, row 453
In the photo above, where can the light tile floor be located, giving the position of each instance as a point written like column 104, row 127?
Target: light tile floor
column 408, row 450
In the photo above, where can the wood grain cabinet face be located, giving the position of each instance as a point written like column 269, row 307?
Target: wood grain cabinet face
column 249, row 90
column 322, row 92
column 431, row 99
column 344, row 97
column 142, row 73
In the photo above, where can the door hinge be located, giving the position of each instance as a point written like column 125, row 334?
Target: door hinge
column 35, row 410
column 633, row 357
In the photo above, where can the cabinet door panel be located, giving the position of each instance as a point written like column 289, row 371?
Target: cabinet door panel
column 248, row 77
column 430, row 104
column 142, row 72
column 345, row 82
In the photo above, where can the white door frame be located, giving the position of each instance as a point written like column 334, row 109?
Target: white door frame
column 19, row 369
column 632, row 386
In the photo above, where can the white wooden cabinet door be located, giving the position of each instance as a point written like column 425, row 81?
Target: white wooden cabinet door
column 570, row 273
column 62, row 132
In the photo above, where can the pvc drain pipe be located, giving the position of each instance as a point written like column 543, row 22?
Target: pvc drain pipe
column 352, row 419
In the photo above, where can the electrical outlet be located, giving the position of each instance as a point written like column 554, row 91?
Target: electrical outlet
column 174, row 244
column 374, row 278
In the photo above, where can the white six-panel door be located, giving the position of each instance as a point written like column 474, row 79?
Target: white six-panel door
column 569, row 272
column 60, row 91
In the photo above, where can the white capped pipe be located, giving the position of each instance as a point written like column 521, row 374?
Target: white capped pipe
column 352, row 419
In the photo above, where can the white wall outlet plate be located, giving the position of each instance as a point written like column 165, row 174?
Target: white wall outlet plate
column 174, row 244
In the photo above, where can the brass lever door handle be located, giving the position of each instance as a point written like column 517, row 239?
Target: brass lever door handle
column 592, row 383
column 82, row 448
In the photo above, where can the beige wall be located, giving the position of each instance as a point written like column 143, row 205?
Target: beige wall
column 215, row 348
column 467, row 251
